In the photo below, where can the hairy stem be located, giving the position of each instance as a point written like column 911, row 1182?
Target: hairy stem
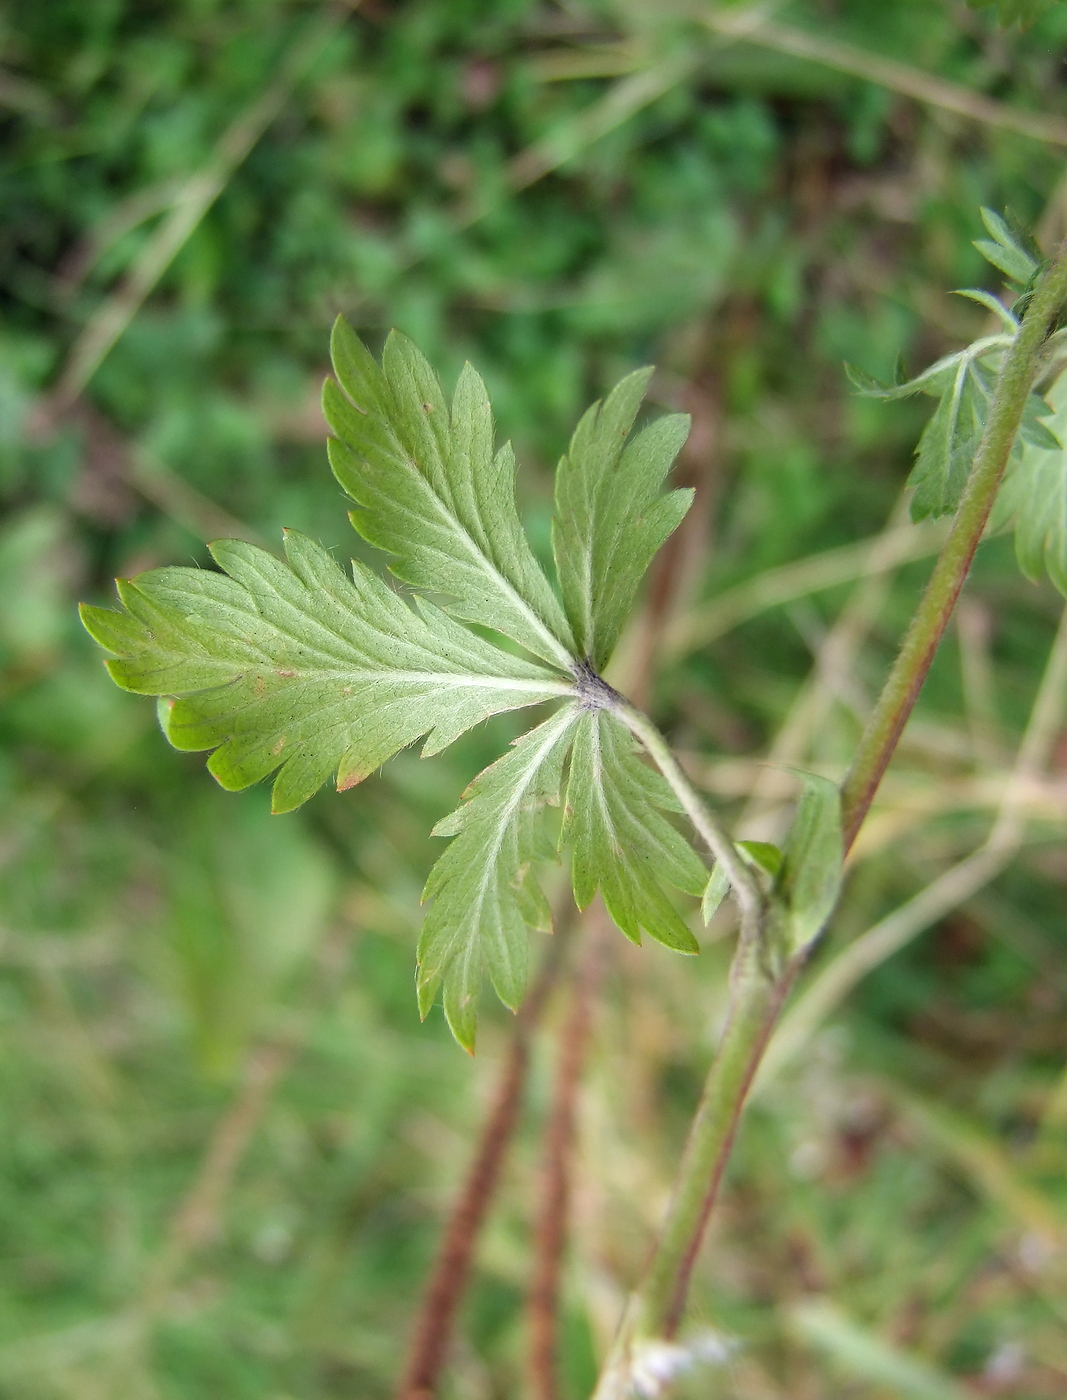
column 754, row 1005
column 759, row 988
column 657, row 1306
column 921, row 641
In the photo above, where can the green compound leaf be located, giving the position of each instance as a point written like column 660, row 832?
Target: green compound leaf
column 964, row 385
column 622, row 842
column 483, row 888
column 1035, row 495
column 432, row 492
column 809, row 880
column 963, row 382
column 610, row 516
column 293, row 666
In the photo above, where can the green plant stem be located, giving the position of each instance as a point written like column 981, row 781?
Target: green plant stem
column 756, row 997
column 921, row 641
column 758, row 988
column 657, row 1307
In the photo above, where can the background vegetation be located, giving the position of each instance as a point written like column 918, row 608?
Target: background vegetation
column 226, row 1142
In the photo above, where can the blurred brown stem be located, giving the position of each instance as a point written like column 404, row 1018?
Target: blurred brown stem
column 431, row 1339
column 559, row 1140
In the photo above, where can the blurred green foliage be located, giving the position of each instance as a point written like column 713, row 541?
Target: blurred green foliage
column 491, row 177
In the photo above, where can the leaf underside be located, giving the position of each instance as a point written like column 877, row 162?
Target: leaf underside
column 484, row 889
column 292, row 666
column 611, row 517
column 1035, row 496
column 623, row 844
column 431, row 491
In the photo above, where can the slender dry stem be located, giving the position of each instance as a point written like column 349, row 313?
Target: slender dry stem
column 550, row 1231
column 434, row 1326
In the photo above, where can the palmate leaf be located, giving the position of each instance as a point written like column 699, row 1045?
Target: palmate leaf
column 622, row 842
column 483, row 888
column 1035, row 496
column 293, row 666
column 432, row 492
column 610, row 516
column 963, row 382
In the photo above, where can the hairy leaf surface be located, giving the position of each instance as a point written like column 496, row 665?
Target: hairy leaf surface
column 610, row 515
column 1035, row 494
column 294, row 666
column 1010, row 248
column 623, row 844
column 483, row 888
column 432, row 492
column 809, row 879
column 964, row 385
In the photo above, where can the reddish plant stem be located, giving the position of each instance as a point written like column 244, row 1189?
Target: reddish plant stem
column 432, row 1337
column 559, row 1139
